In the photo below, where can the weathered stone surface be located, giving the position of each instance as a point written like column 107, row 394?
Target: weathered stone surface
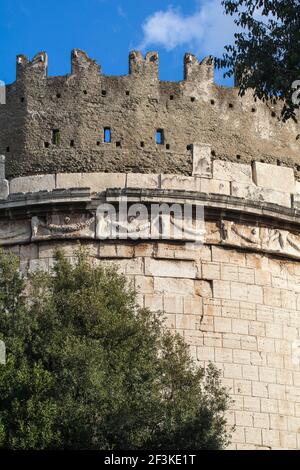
column 98, row 182
column 2, row 167
column 215, row 186
column 31, row 251
column 296, row 201
column 14, row 231
column 229, row 171
column 133, row 266
column 180, row 182
column 174, row 286
column 34, row 183
column 165, row 268
column 4, row 188
column 202, row 164
column 255, row 193
column 274, row 177
column 140, row 180
column 297, row 187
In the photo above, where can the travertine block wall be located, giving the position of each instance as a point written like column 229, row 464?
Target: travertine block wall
column 238, row 309
column 235, row 298
column 259, row 182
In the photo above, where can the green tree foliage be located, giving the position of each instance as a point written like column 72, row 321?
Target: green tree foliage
column 89, row 369
column 265, row 55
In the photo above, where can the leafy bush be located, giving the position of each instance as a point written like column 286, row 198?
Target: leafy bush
column 87, row 368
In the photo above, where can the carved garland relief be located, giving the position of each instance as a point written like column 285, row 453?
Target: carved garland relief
column 63, row 226
column 263, row 238
column 90, row 225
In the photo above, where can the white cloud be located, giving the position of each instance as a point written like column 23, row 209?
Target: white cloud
column 206, row 31
column 121, row 11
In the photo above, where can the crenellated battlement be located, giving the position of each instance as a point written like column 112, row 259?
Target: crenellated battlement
column 81, row 63
column 195, row 70
column 147, row 65
column 87, row 121
column 37, row 67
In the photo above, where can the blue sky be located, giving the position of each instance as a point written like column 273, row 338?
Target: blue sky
column 108, row 29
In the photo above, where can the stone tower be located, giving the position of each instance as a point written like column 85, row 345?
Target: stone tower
column 75, row 143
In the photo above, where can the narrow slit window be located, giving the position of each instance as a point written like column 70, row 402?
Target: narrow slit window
column 107, row 135
column 159, row 136
column 55, row 137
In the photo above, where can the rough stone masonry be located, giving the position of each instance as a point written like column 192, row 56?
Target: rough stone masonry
column 71, row 143
column 57, row 124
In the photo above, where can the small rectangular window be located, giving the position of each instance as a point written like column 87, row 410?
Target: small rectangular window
column 107, row 135
column 55, row 137
column 159, row 136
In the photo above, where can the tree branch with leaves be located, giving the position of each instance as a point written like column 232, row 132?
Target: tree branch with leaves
column 265, row 55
